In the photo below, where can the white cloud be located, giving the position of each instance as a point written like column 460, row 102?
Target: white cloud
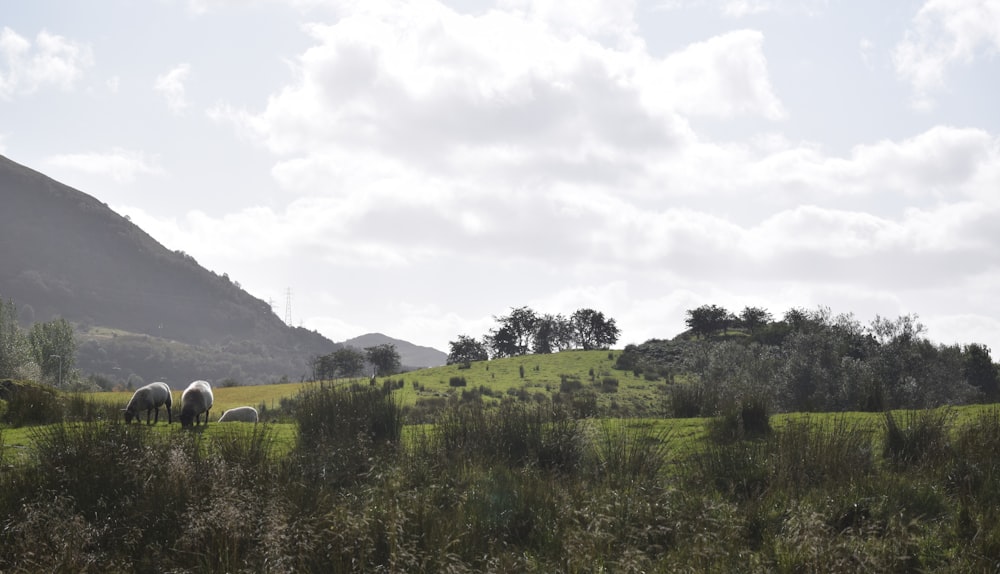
column 740, row 8
column 724, row 76
column 944, row 33
column 51, row 61
column 121, row 165
column 171, row 85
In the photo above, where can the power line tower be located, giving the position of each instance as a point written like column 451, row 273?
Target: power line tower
column 288, row 306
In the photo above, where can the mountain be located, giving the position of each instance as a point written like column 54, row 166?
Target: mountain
column 142, row 311
column 410, row 356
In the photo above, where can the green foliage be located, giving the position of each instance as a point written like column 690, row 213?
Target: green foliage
column 14, row 349
column 329, row 414
column 465, row 350
column 630, row 452
column 384, row 357
column 53, row 348
column 708, row 320
column 31, row 404
column 913, row 437
column 518, row 434
column 497, row 490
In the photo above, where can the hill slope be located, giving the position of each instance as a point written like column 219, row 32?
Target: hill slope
column 161, row 315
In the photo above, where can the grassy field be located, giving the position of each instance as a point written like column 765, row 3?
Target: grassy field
column 523, row 487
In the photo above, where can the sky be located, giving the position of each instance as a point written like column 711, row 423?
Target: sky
column 420, row 168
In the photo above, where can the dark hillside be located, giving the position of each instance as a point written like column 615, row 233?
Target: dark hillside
column 64, row 253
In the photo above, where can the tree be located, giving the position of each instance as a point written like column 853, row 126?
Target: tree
column 591, row 330
column 979, row 370
column 322, row 366
column 753, row 318
column 53, row 348
column 384, row 358
column 554, row 333
column 466, row 350
column 707, row 320
column 14, row 351
column 347, row 362
column 516, row 333
column 501, row 342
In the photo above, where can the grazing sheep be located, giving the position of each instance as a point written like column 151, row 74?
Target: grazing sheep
column 239, row 414
column 149, row 398
column 195, row 400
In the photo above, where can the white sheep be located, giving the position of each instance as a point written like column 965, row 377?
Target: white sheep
column 196, row 399
column 239, row 414
column 149, row 398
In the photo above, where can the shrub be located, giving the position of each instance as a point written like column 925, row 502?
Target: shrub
column 80, row 409
column 515, row 433
column 456, row 382
column 335, row 415
column 920, row 436
column 738, row 470
column 31, row 404
column 805, row 454
column 569, row 383
column 626, row 452
column 686, row 401
column 609, row 385
column 742, row 419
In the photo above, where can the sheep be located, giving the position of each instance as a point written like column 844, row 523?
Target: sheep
column 195, row 400
column 149, row 398
column 239, row 414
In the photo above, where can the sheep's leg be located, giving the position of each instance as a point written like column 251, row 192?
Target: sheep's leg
column 147, row 416
column 170, row 417
column 157, row 419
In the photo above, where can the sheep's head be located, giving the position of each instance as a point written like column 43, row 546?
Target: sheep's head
column 186, row 418
column 128, row 415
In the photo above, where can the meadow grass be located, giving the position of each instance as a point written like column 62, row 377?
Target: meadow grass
column 525, row 486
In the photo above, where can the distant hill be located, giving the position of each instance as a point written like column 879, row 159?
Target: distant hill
column 143, row 312
column 411, row 356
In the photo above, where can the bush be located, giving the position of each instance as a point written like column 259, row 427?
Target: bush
column 31, row 404
column 609, row 385
column 627, row 452
column 456, row 382
column 569, row 383
column 744, row 419
column 686, row 401
column 514, row 433
column 918, row 437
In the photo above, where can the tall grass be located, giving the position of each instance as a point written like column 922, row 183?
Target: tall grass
column 521, row 487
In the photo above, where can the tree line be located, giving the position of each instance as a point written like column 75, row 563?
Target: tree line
column 524, row 331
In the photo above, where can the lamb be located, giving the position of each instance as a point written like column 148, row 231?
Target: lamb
column 196, row 399
column 149, row 398
column 239, row 414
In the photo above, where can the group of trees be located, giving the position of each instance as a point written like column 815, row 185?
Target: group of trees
column 818, row 361
column 47, row 351
column 348, row 362
column 709, row 320
column 525, row 331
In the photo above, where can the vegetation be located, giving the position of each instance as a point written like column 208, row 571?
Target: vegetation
column 524, row 331
column 522, row 487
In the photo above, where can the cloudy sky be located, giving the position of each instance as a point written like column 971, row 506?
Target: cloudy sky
column 416, row 168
